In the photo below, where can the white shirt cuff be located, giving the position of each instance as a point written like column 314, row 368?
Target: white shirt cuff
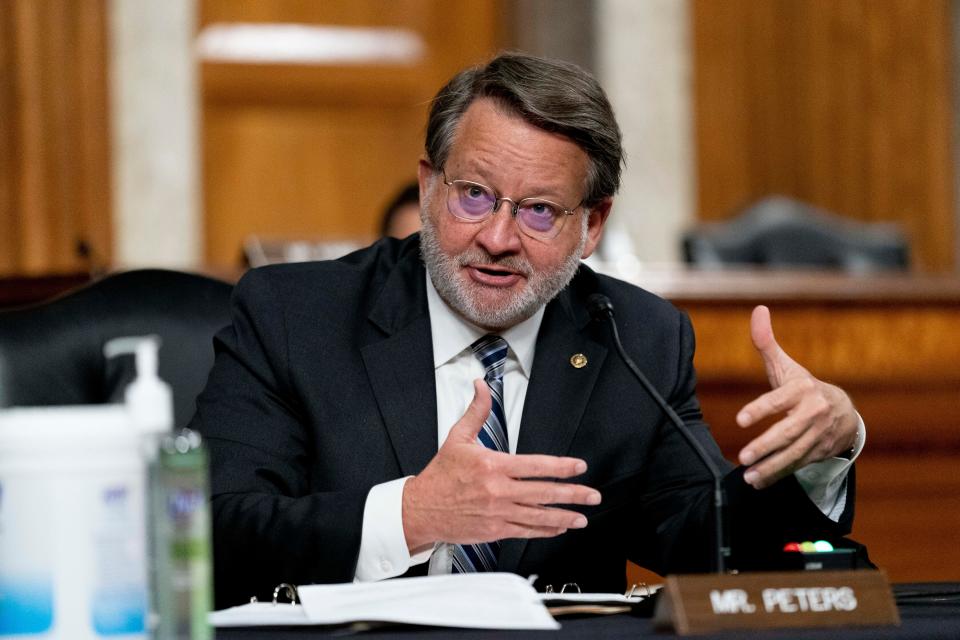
column 826, row 481
column 383, row 547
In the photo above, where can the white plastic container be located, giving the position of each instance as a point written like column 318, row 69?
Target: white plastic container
column 72, row 551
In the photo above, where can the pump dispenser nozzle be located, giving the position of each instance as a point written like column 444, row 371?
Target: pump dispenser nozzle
column 148, row 398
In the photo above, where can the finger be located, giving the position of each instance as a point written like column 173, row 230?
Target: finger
column 761, row 331
column 772, row 403
column 778, row 365
column 530, row 492
column 783, row 462
column 806, row 411
column 545, row 517
column 468, row 427
column 761, row 334
column 810, row 414
column 511, row 530
column 534, row 465
column 503, row 530
column 830, row 432
column 779, row 436
column 520, row 521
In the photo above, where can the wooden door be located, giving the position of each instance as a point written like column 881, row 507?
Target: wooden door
column 316, row 150
column 55, row 205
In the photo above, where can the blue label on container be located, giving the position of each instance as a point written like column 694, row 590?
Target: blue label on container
column 115, row 496
column 183, row 503
column 118, row 611
column 26, row 605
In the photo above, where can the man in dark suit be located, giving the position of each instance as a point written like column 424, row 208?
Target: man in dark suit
column 343, row 425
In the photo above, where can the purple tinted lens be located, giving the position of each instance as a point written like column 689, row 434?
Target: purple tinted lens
column 474, row 200
column 540, row 217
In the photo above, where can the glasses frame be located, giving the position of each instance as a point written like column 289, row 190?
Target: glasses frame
column 514, row 208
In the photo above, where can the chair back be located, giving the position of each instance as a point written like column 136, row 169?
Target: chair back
column 781, row 232
column 52, row 353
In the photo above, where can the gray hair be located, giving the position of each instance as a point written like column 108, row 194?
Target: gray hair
column 553, row 95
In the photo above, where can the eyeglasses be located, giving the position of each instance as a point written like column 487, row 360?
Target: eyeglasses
column 473, row 202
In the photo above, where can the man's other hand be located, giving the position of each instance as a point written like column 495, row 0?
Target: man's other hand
column 816, row 420
column 470, row 494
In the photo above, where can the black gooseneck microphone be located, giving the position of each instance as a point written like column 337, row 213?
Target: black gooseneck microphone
column 601, row 310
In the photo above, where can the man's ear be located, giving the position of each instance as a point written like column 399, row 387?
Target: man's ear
column 597, row 217
column 424, row 174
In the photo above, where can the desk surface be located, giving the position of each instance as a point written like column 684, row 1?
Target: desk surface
column 928, row 620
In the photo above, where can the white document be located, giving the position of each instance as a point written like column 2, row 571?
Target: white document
column 259, row 614
column 471, row 600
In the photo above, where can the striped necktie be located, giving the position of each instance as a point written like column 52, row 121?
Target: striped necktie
column 491, row 350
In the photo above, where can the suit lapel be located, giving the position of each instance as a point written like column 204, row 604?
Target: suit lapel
column 400, row 366
column 557, row 394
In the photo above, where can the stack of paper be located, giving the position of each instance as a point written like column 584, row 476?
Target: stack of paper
column 472, row 600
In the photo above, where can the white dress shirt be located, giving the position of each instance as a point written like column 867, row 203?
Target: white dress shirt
column 383, row 547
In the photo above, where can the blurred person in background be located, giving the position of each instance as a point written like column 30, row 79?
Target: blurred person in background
column 402, row 215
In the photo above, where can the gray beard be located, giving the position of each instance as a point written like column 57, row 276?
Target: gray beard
column 458, row 292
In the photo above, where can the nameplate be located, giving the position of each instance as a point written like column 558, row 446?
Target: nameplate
column 709, row 602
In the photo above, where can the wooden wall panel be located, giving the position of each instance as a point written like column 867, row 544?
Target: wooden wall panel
column 9, row 229
column 892, row 344
column 842, row 104
column 316, row 151
column 908, row 513
column 54, row 167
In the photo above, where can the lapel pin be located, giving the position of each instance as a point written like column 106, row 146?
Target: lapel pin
column 578, row 360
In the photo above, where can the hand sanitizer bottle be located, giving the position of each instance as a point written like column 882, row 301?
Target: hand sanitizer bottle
column 149, row 402
column 182, row 529
column 178, row 527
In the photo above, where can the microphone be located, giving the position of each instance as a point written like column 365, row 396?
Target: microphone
column 601, row 310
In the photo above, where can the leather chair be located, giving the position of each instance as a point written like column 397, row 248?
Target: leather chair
column 781, row 232
column 52, row 353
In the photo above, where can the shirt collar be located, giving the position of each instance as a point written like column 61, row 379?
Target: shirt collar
column 452, row 334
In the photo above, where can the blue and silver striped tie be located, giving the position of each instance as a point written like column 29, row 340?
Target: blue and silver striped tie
column 491, row 350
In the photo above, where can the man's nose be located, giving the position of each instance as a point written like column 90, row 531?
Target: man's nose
column 506, row 204
column 499, row 233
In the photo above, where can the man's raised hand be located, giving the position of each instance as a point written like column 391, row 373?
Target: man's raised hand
column 817, row 420
column 469, row 494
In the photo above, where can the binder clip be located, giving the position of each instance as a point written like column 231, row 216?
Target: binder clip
column 289, row 590
column 633, row 590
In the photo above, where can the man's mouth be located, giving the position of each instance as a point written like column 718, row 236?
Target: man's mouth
column 493, row 275
column 494, row 271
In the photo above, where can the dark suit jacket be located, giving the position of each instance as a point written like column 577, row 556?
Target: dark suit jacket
column 324, row 386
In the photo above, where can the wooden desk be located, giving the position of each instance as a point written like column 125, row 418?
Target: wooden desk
column 893, row 343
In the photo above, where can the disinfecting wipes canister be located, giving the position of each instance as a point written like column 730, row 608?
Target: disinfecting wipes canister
column 72, row 552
